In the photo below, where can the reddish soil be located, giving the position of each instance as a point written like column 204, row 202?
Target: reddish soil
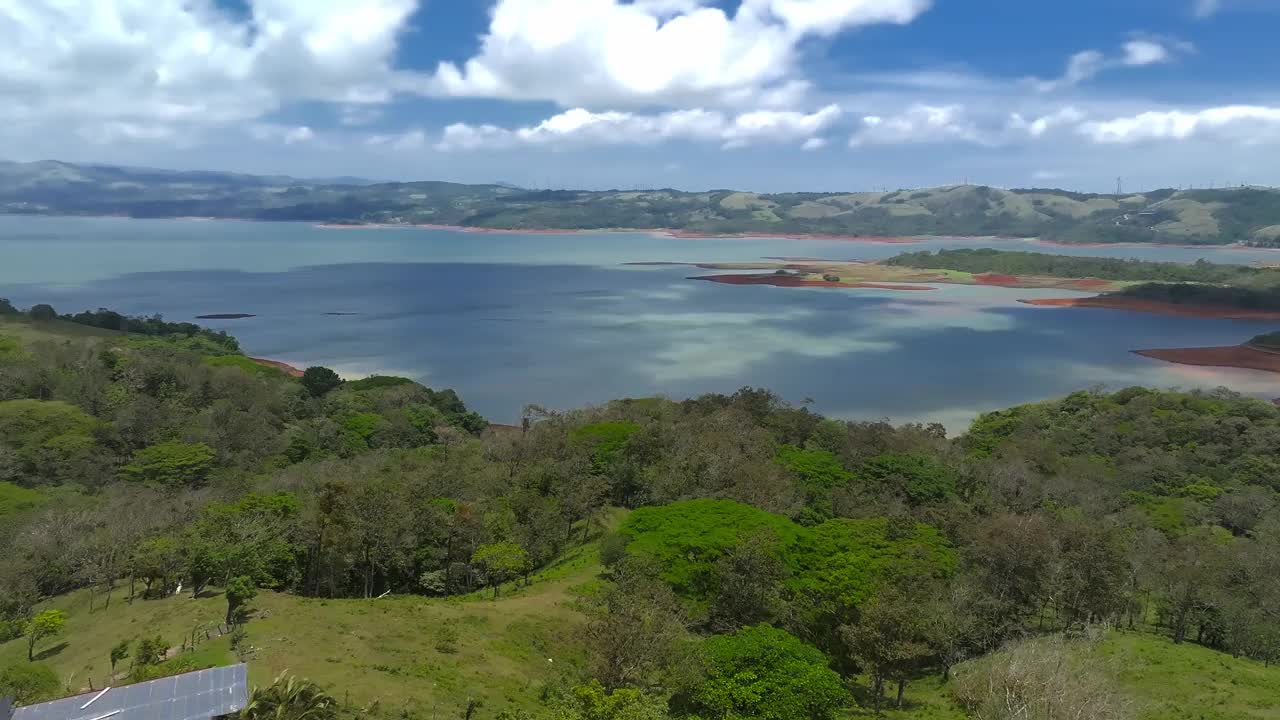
column 793, row 281
column 288, row 369
column 1235, row 356
column 997, row 279
column 1160, row 308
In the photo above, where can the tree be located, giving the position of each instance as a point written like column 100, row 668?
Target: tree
column 45, row 624
column 118, row 653
column 635, row 635
column 171, row 464
column 501, row 562
column 150, row 651
column 319, row 380
column 763, row 673
column 29, row 683
column 239, row 591
column 890, row 639
column 43, row 312
column 290, row 698
column 747, row 583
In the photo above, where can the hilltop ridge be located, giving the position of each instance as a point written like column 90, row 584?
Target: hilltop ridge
column 1248, row 215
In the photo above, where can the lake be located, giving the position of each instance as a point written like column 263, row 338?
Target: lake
column 562, row 321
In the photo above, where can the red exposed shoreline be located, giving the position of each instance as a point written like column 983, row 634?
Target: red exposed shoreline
column 288, row 369
column 1244, row 357
column 1159, row 308
column 793, row 281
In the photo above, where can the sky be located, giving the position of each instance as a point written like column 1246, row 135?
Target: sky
column 767, row 95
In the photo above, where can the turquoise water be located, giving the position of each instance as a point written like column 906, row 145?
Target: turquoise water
column 560, row 320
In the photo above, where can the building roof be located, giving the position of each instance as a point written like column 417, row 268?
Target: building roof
column 191, row 696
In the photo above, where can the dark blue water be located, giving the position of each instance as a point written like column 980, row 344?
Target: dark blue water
column 560, row 321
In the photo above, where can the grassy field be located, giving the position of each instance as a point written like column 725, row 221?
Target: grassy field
column 26, row 331
column 403, row 651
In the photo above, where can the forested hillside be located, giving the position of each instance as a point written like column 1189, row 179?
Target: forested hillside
column 1207, row 217
column 168, row 505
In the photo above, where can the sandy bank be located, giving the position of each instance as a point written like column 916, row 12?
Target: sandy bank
column 288, row 369
column 1159, row 308
column 1245, row 357
column 793, row 281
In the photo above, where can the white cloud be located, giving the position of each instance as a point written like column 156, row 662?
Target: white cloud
column 1145, row 52
column 1244, row 123
column 150, row 69
column 919, row 124
column 673, row 53
column 579, row 127
column 284, row 134
column 1085, row 65
column 1036, row 127
column 814, row 144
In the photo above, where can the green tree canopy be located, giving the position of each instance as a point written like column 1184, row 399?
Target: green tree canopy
column 171, row 464
column 763, row 673
column 319, row 380
column 45, row 624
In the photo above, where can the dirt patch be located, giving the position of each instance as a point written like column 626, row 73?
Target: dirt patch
column 997, row 279
column 1236, row 356
column 795, row 281
column 288, row 369
column 1160, row 308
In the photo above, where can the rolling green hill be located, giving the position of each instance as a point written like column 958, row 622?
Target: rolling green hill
column 1208, row 217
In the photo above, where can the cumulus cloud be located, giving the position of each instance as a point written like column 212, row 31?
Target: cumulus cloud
column 581, row 127
column 147, row 69
column 919, row 124
column 657, row 52
column 1087, row 64
column 1245, row 123
column 1038, row 126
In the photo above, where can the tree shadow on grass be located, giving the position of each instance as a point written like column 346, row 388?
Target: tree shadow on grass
column 49, row 652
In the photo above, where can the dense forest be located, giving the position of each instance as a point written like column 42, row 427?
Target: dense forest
column 756, row 560
column 1202, row 217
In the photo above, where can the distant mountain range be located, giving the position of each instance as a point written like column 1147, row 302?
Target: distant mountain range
column 1210, row 217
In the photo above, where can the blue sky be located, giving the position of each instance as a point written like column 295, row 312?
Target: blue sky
column 759, row 94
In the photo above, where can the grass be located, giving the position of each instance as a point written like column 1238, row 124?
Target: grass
column 243, row 363
column 15, row 499
column 1189, row 682
column 387, row 650
column 26, row 331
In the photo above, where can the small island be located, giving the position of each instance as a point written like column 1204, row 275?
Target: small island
column 225, row 316
column 1200, row 289
column 1260, row 353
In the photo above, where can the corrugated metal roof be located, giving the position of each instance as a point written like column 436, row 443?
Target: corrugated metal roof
column 191, row 696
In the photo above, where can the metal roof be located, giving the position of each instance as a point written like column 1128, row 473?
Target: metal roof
column 191, row 696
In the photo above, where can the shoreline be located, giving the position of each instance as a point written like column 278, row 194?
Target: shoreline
column 1242, row 357
column 1156, row 307
column 284, row 367
column 792, row 281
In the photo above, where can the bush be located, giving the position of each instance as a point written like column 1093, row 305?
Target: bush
column 1045, row 679
column 29, row 683
column 764, row 673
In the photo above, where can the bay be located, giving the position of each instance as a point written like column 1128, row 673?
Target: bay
column 562, row 320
